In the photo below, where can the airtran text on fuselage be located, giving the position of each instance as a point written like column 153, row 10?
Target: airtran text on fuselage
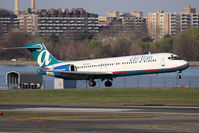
column 141, row 58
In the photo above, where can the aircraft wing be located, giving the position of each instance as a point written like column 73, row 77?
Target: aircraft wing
column 81, row 75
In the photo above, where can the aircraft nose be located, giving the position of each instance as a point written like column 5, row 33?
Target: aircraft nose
column 185, row 64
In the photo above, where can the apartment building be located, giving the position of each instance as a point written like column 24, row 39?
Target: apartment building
column 58, row 22
column 174, row 24
column 127, row 19
column 161, row 24
column 137, row 14
column 28, row 23
column 195, row 20
column 104, row 21
column 189, row 10
column 189, row 20
column 158, row 24
column 114, row 14
column 140, row 20
column 8, row 23
column 135, row 19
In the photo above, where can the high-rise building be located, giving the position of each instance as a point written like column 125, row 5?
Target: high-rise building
column 174, row 23
column 158, row 24
column 189, row 10
column 123, row 19
column 28, row 23
column 113, row 14
column 189, row 20
column 47, row 22
column 137, row 14
column 139, row 18
column 195, row 20
column 103, row 21
column 161, row 24
column 8, row 23
column 127, row 19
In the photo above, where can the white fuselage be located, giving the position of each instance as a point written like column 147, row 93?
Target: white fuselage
column 130, row 65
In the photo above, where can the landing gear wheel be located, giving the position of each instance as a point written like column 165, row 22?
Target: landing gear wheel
column 92, row 83
column 108, row 83
column 178, row 76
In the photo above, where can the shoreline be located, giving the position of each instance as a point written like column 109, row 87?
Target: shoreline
column 193, row 63
column 4, row 62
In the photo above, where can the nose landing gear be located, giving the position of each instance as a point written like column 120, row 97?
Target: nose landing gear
column 179, row 76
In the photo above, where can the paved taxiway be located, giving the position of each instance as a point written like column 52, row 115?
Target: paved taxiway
column 154, row 119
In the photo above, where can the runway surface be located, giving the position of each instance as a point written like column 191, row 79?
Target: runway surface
column 102, row 119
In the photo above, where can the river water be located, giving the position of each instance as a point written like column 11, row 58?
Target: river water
column 190, row 79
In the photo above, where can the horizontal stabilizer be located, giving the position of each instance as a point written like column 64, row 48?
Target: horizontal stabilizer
column 40, row 54
column 22, row 48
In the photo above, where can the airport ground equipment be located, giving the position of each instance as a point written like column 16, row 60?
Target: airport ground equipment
column 60, row 83
column 24, row 80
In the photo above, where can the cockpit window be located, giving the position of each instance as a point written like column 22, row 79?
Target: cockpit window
column 174, row 57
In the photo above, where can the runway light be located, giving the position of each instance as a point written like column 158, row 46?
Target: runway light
column 1, row 113
column 188, row 129
column 195, row 124
column 182, row 114
column 182, row 86
column 156, row 116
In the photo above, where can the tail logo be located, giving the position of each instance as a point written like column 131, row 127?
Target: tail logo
column 46, row 58
column 41, row 54
column 43, row 57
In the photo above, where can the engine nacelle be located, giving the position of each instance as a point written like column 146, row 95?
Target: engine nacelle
column 68, row 67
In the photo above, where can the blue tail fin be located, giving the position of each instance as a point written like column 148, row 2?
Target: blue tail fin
column 41, row 54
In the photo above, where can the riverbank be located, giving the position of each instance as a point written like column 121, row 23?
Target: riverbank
column 194, row 63
column 4, row 62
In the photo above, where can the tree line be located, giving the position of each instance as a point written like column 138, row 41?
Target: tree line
column 110, row 42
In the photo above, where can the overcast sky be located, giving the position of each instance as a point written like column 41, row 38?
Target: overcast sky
column 101, row 7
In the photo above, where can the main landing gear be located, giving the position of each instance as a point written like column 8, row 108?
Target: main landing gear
column 108, row 83
column 92, row 83
column 179, row 76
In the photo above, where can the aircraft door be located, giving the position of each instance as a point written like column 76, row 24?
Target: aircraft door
column 162, row 62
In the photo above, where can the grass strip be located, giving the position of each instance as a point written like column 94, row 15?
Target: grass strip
column 159, row 96
column 55, row 116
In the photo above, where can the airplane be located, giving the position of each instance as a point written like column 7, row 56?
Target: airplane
column 105, row 68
